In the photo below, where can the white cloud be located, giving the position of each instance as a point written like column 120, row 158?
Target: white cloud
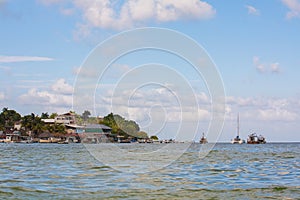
column 277, row 115
column 61, row 87
column 252, row 10
column 259, row 67
column 158, row 104
column 294, row 6
column 58, row 95
column 11, row 59
column 109, row 14
column 275, row 67
column 266, row 109
column 266, row 67
column 46, row 98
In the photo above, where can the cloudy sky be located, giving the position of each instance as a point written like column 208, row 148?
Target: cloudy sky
column 254, row 44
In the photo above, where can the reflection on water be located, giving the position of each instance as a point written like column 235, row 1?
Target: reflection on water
column 36, row 171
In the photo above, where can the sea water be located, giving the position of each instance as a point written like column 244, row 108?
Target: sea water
column 57, row 171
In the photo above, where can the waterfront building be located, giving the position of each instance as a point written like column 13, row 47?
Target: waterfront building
column 66, row 118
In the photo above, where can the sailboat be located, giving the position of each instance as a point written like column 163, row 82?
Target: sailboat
column 203, row 139
column 237, row 139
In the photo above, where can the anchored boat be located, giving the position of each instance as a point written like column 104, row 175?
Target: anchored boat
column 203, row 139
column 237, row 139
column 255, row 139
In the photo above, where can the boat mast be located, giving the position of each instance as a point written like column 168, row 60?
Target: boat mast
column 238, row 125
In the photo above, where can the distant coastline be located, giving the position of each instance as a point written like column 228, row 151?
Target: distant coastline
column 69, row 127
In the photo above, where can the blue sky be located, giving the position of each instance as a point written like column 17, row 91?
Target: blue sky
column 255, row 45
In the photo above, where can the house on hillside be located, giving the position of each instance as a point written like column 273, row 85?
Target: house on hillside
column 18, row 125
column 66, row 118
column 90, row 133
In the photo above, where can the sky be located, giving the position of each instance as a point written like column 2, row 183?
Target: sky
column 254, row 44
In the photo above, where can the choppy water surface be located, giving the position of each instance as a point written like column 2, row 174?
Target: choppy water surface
column 53, row 171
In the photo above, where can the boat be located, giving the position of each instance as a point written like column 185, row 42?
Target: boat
column 255, row 139
column 49, row 140
column 237, row 139
column 26, row 140
column 63, row 142
column 12, row 138
column 203, row 139
column 48, row 137
column 71, row 138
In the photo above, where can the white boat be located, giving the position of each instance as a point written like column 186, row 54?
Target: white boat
column 237, row 139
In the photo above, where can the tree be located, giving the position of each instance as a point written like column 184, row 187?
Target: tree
column 8, row 118
column 130, row 128
column 121, row 126
column 56, row 128
column 154, row 137
column 53, row 115
column 85, row 115
column 45, row 116
column 79, row 119
column 33, row 123
column 142, row 135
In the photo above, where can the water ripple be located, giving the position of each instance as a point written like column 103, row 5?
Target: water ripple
column 47, row 171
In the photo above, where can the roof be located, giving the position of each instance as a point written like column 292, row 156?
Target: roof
column 74, row 126
column 68, row 113
column 45, row 135
column 97, row 126
column 48, row 120
column 71, row 135
column 17, row 132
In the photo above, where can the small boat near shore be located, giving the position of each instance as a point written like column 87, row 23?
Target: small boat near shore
column 12, row 138
column 26, row 140
column 255, row 139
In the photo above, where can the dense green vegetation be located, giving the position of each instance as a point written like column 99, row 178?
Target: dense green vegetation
column 154, row 137
column 85, row 118
column 33, row 123
column 8, row 118
column 123, row 127
column 85, row 115
column 30, row 123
